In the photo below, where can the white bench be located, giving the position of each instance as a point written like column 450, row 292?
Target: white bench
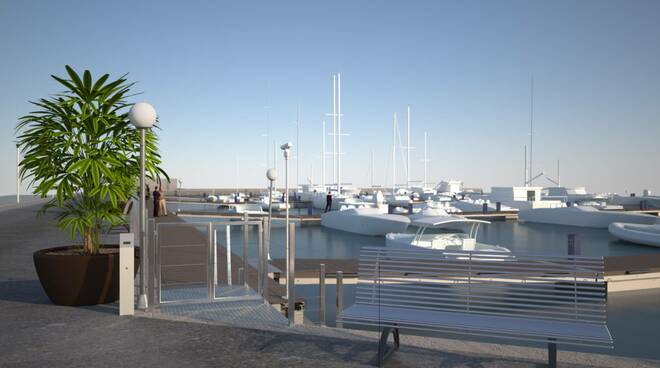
column 518, row 297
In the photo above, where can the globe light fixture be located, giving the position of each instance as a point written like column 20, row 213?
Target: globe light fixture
column 142, row 115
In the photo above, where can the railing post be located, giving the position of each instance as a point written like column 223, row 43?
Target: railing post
column 266, row 242
column 215, row 258
column 260, row 263
column 322, row 294
column 228, row 239
column 240, row 275
column 340, row 297
column 245, row 250
column 157, row 269
column 210, row 266
column 291, row 281
column 151, row 281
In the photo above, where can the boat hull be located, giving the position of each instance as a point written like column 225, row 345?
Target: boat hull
column 583, row 217
column 635, row 233
column 364, row 224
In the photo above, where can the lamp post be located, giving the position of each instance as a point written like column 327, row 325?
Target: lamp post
column 271, row 174
column 286, row 147
column 143, row 116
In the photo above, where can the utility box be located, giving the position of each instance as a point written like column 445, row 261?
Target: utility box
column 126, row 274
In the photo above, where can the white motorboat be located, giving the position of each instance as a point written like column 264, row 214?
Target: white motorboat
column 249, row 208
column 276, row 204
column 444, row 241
column 636, row 233
column 364, row 221
column 583, row 216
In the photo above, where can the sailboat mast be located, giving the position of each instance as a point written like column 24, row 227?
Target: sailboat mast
column 531, row 130
column 526, row 175
column 394, row 155
column 339, row 133
column 558, row 177
column 274, row 155
column 426, row 160
column 408, row 148
column 334, row 128
column 298, row 151
column 372, row 168
column 323, row 157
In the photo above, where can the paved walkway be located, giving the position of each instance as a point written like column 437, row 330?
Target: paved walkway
column 35, row 333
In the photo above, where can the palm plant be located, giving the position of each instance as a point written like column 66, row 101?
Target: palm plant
column 80, row 144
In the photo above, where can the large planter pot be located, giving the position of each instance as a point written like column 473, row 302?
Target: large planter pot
column 72, row 278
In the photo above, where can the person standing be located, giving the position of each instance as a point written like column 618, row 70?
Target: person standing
column 156, row 195
column 328, row 202
column 163, row 205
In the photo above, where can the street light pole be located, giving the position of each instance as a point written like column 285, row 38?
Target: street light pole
column 286, row 147
column 142, row 300
column 143, row 116
column 271, row 174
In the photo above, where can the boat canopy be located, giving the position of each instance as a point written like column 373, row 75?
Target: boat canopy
column 436, row 221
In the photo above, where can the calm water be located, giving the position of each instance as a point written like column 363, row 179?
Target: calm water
column 633, row 317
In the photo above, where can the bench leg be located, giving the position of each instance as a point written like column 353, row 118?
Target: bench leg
column 384, row 351
column 552, row 355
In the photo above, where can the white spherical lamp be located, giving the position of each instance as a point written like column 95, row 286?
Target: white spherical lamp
column 142, row 115
column 271, row 174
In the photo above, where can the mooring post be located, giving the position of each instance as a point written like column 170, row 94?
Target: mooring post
column 552, row 354
column 322, row 294
column 340, row 297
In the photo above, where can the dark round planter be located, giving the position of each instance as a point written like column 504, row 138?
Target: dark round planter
column 79, row 279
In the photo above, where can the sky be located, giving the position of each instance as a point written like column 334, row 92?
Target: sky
column 223, row 75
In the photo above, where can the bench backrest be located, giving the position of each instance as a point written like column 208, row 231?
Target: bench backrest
column 564, row 288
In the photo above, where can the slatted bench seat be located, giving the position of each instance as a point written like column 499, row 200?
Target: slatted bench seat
column 518, row 297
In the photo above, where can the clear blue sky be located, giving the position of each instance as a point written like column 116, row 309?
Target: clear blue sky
column 210, row 68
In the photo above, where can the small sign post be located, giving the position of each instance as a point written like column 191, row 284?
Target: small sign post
column 126, row 275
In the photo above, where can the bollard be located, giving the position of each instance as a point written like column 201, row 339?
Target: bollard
column 322, row 294
column 390, row 209
column 340, row 297
column 484, row 208
column 498, row 206
column 574, row 246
